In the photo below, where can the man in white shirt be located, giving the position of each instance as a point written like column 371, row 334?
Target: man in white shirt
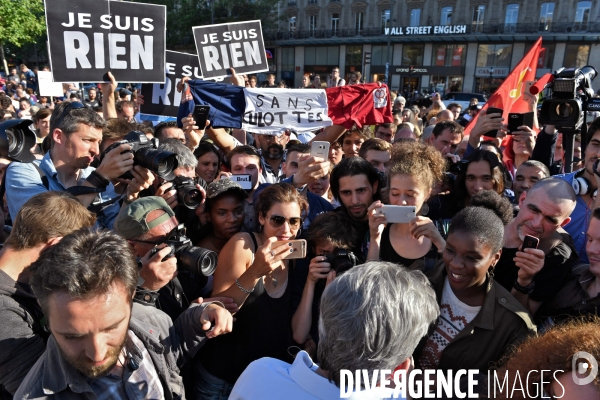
column 371, row 318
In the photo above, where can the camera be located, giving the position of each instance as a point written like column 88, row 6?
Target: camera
column 16, row 140
column 187, row 192
column 189, row 258
column 341, row 261
column 146, row 154
column 456, row 168
column 572, row 94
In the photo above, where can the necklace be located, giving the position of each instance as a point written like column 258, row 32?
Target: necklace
column 218, row 248
column 273, row 280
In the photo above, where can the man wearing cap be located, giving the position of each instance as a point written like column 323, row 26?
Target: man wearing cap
column 146, row 224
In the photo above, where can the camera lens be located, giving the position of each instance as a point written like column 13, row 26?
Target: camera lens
column 564, row 110
column 16, row 140
column 161, row 162
column 198, row 260
column 189, row 196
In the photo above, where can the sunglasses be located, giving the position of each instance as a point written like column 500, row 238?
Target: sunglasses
column 71, row 106
column 155, row 243
column 277, row 221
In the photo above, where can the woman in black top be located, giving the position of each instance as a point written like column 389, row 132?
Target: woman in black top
column 252, row 271
column 414, row 170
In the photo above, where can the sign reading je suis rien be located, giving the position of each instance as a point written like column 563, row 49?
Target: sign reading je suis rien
column 426, row 30
column 88, row 38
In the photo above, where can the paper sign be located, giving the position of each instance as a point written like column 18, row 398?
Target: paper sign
column 47, row 87
column 272, row 111
column 236, row 45
column 88, row 38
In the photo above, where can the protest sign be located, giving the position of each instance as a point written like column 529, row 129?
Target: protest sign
column 88, row 38
column 271, row 111
column 47, row 87
column 236, row 45
column 163, row 98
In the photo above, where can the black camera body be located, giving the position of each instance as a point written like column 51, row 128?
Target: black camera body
column 146, row 154
column 189, row 258
column 188, row 194
column 342, row 260
column 572, row 95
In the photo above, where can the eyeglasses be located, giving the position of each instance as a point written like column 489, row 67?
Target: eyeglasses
column 277, row 221
column 74, row 105
column 155, row 243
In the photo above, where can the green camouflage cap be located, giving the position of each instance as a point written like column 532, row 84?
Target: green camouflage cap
column 131, row 222
column 215, row 188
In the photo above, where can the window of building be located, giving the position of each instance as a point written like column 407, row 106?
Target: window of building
column 385, row 20
column 546, row 16
column 335, row 23
column 582, row 15
column 412, row 54
column 576, row 55
column 292, row 26
column 358, row 23
column 287, row 58
column 449, row 55
column 478, row 13
column 511, row 18
column 494, row 55
column 379, row 54
column 322, row 55
column 415, row 17
column 446, row 18
column 312, row 25
column 354, row 59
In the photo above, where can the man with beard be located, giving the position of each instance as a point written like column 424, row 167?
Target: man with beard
column 355, row 183
column 271, row 150
column 103, row 345
column 535, row 275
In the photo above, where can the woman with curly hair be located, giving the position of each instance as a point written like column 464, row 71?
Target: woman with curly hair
column 576, row 343
column 415, row 168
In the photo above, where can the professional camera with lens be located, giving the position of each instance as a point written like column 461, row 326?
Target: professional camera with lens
column 572, row 95
column 187, row 192
column 342, row 260
column 190, row 258
column 146, row 154
column 16, row 140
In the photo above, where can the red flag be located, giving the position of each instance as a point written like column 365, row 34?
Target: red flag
column 509, row 95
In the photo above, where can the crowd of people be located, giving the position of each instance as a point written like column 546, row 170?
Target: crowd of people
column 121, row 280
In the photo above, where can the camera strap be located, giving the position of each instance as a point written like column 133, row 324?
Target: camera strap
column 81, row 190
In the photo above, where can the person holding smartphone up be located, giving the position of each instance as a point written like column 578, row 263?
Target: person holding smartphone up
column 414, row 170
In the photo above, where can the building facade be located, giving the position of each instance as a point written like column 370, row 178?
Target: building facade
column 426, row 45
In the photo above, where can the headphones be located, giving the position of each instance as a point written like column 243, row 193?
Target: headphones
column 581, row 186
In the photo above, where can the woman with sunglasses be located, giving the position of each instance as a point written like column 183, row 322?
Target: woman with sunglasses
column 414, row 170
column 253, row 272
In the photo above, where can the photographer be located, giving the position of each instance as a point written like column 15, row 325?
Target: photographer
column 146, row 224
column 329, row 233
column 76, row 134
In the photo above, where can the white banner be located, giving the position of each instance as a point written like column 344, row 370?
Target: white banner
column 47, row 87
column 272, row 111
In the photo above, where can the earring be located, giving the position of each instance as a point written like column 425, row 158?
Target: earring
column 491, row 271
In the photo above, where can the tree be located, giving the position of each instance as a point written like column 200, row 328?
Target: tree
column 21, row 21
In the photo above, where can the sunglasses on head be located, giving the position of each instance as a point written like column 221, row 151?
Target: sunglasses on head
column 74, row 105
column 277, row 221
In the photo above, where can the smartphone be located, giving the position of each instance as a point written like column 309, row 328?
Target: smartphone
column 516, row 120
column 201, row 115
column 493, row 110
column 398, row 214
column 297, row 247
column 530, row 242
column 244, row 180
column 320, row 149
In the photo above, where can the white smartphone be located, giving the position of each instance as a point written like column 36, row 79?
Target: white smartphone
column 319, row 149
column 244, row 180
column 398, row 214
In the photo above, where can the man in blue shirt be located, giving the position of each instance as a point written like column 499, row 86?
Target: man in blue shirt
column 30, row 77
column 76, row 134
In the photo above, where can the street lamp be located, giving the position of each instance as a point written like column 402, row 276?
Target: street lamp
column 388, row 76
column 490, row 86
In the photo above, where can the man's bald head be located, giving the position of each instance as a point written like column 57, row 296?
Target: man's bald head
column 557, row 190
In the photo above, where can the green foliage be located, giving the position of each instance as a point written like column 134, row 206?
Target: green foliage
column 21, row 21
column 182, row 15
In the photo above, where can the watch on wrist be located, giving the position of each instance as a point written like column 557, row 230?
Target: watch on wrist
column 524, row 289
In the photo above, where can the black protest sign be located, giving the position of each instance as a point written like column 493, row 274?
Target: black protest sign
column 163, row 98
column 88, row 38
column 236, row 45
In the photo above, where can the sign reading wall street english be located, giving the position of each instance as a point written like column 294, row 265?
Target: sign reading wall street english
column 272, row 111
column 163, row 98
column 236, row 45
column 426, row 30
column 88, row 38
